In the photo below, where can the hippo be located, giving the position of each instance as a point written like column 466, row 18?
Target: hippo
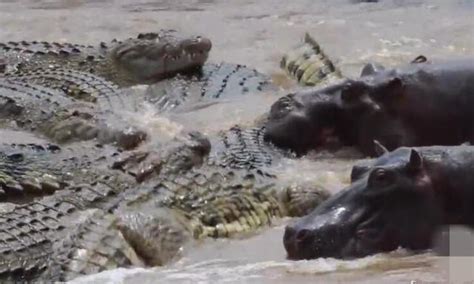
column 420, row 104
column 310, row 119
column 423, row 104
column 401, row 199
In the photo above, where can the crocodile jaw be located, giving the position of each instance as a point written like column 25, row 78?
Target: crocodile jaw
column 151, row 60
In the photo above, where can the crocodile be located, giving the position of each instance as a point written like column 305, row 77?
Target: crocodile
column 61, row 118
column 147, row 58
column 141, row 207
column 307, row 63
column 183, row 91
column 137, row 208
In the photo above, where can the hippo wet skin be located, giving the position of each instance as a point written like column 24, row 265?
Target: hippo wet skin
column 402, row 199
column 420, row 104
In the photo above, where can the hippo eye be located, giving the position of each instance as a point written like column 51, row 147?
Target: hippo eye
column 380, row 177
column 346, row 94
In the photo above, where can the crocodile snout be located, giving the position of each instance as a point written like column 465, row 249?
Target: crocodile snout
column 197, row 44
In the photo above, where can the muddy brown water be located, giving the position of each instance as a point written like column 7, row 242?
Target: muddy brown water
column 257, row 33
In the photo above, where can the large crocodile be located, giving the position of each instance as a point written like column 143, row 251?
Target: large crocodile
column 137, row 208
column 145, row 59
column 307, row 63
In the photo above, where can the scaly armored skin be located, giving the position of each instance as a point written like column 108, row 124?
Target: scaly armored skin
column 146, row 59
column 79, row 85
column 61, row 118
column 309, row 65
column 35, row 169
column 135, row 208
column 140, row 210
column 184, row 91
column 212, row 82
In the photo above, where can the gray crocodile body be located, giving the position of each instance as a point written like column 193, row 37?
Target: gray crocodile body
column 211, row 83
column 145, row 59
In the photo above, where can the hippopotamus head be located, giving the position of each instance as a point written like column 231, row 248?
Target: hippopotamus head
column 392, row 204
column 299, row 122
column 310, row 119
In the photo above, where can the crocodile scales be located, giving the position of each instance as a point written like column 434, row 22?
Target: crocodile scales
column 139, row 210
column 145, row 59
column 144, row 207
column 63, row 119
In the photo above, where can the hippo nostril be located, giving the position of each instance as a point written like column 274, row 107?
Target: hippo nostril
column 303, row 235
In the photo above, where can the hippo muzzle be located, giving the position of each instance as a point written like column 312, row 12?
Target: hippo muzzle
column 391, row 204
column 329, row 231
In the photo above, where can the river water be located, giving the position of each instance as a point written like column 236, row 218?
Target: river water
column 257, row 33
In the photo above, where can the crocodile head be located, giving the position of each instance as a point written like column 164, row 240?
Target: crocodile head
column 151, row 56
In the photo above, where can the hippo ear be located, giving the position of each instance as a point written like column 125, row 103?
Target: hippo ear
column 416, row 160
column 370, row 69
column 419, row 59
column 379, row 148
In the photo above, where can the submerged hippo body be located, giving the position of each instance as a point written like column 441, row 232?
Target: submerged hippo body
column 401, row 199
column 420, row 104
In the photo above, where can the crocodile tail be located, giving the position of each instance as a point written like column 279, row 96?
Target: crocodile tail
column 309, row 65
